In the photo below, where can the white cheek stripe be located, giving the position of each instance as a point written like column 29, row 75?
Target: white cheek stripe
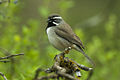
column 57, row 17
column 55, row 23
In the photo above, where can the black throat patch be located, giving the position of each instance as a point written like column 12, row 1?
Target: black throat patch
column 50, row 24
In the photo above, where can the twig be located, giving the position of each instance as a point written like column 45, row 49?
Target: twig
column 5, row 61
column 68, row 76
column 90, row 75
column 37, row 73
column 84, row 67
column 10, row 56
column 3, row 76
column 2, row 1
column 53, row 76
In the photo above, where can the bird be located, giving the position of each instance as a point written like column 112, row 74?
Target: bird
column 61, row 35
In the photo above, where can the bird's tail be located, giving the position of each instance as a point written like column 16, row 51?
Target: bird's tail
column 81, row 50
column 89, row 59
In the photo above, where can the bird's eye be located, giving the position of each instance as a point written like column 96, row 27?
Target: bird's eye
column 57, row 20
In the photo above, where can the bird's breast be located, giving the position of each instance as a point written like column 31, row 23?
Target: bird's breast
column 55, row 40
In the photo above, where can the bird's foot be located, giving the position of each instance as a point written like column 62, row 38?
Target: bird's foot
column 67, row 50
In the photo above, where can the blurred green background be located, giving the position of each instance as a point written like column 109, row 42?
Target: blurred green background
column 22, row 30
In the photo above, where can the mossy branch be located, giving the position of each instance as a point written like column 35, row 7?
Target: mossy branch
column 64, row 68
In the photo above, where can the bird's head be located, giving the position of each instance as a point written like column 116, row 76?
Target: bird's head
column 54, row 20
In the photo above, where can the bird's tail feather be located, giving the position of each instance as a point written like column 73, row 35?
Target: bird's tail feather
column 89, row 59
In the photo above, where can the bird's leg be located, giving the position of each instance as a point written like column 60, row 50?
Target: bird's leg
column 66, row 51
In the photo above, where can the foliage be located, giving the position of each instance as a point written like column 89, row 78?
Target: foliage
column 20, row 32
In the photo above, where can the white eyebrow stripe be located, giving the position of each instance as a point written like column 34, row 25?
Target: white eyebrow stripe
column 55, row 23
column 57, row 17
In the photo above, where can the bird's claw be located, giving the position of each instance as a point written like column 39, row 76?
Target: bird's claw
column 67, row 50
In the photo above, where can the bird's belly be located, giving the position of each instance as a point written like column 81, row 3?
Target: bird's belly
column 57, row 41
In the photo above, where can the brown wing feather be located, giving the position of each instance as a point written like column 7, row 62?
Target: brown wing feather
column 67, row 33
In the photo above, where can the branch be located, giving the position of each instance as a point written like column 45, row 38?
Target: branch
column 5, row 61
column 37, row 73
column 10, row 56
column 3, row 76
column 68, row 76
column 53, row 76
column 3, row 1
column 65, row 68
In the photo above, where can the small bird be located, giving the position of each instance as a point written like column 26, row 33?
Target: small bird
column 61, row 35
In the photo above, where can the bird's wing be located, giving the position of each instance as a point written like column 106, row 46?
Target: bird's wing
column 69, row 35
column 72, row 38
